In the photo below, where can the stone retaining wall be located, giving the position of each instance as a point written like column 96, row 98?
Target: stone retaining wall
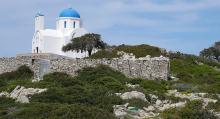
column 156, row 68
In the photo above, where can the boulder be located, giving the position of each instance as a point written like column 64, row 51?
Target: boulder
column 174, row 105
column 133, row 94
column 22, row 99
column 120, row 110
column 153, row 98
column 149, row 108
column 158, row 102
column 16, row 92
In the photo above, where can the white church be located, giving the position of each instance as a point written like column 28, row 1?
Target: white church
column 68, row 26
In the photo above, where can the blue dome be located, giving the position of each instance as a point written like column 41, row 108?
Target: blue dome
column 69, row 13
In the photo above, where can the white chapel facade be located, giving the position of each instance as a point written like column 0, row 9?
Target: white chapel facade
column 68, row 26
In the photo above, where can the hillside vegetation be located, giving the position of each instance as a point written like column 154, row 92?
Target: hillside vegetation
column 90, row 95
column 194, row 73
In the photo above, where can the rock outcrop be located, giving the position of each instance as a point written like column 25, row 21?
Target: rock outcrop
column 132, row 94
column 192, row 96
column 22, row 94
column 153, row 110
column 156, row 106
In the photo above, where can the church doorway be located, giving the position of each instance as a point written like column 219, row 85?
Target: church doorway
column 37, row 49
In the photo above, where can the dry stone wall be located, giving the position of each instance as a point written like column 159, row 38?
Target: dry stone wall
column 156, row 68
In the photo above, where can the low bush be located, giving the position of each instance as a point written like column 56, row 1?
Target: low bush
column 2, row 83
column 151, row 85
column 110, row 83
column 58, row 111
column 90, row 74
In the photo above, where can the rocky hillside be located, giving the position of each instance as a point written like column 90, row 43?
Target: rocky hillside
column 193, row 92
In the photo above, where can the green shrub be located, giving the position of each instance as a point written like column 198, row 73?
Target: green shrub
column 4, row 101
column 53, row 95
column 7, row 105
column 58, row 111
column 110, row 83
column 151, row 85
column 136, row 81
column 60, row 79
column 2, row 83
column 107, row 102
column 213, row 88
column 90, row 74
column 92, row 86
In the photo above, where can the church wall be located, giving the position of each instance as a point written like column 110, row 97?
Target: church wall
column 52, row 45
column 148, row 68
column 37, row 42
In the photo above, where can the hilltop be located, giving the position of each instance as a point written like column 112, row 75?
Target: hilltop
column 102, row 92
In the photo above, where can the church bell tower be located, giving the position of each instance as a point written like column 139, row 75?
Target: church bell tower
column 39, row 22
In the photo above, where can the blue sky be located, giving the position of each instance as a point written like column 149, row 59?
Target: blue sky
column 179, row 25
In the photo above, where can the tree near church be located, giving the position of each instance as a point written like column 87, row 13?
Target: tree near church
column 85, row 43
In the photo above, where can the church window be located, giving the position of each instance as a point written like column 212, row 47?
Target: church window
column 64, row 24
column 74, row 24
